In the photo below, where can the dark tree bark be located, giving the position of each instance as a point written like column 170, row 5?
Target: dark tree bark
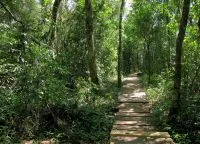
column 177, row 77
column 119, row 69
column 54, row 19
column 90, row 43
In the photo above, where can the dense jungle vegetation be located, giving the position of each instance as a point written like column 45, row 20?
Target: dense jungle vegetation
column 62, row 61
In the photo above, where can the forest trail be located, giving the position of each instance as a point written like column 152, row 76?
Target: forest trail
column 132, row 125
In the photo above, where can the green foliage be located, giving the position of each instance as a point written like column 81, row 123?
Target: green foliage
column 88, row 108
column 45, row 88
column 93, row 125
column 47, row 1
column 181, row 138
column 42, row 90
column 158, row 94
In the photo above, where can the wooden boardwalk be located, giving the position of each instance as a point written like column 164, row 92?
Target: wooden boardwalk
column 132, row 125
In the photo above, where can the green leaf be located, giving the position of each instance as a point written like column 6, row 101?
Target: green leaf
column 47, row 1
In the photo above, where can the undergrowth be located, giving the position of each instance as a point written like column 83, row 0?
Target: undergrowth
column 43, row 106
column 159, row 92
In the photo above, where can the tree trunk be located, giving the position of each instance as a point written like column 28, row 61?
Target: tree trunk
column 22, row 46
column 199, row 26
column 137, row 61
column 89, row 42
column 149, row 62
column 119, row 75
column 54, row 19
column 169, row 39
column 177, row 79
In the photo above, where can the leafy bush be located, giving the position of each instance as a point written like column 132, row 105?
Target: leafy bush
column 43, row 103
column 159, row 92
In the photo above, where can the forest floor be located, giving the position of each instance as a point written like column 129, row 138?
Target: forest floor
column 133, row 120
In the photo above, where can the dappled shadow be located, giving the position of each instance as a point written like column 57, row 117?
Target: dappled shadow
column 136, row 107
column 132, row 99
column 131, row 91
column 133, row 120
column 130, row 80
column 140, row 140
column 133, row 127
column 131, row 94
column 137, row 122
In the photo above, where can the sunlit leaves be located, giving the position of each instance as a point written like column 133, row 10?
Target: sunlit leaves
column 46, row 2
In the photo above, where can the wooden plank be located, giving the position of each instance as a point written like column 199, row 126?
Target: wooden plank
column 140, row 133
column 133, row 127
column 138, row 123
column 140, row 140
column 131, row 100
column 125, row 118
column 132, row 111
column 136, row 107
column 133, row 114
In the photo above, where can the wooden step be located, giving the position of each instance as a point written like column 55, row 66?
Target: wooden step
column 130, row 79
column 133, row 92
column 127, row 118
column 135, row 110
column 132, row 111
column 130, row 92
column 136, row 107
column 133, row 128
column 131, row 100
column 133, row 114
column 140, row 140
column 140, row 133
column 136, row 123
column 130, row 85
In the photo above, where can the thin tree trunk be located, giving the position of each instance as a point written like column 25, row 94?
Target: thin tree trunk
column 179, row 43
column 169, row 39
column 199, row 27
column 22, row 46
column 54, row 19
column 149, row 63
column 119, row 75
column 137, row 60
column 198, row 68
column 89, row 42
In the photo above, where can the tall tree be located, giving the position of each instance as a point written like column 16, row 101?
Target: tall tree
column 54, row 19
column 90, row 42
column 179, row 44
column 119, row 75
column 199, row 24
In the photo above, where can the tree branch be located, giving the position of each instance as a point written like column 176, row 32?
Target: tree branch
column 14, row 18
column 10, row 13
